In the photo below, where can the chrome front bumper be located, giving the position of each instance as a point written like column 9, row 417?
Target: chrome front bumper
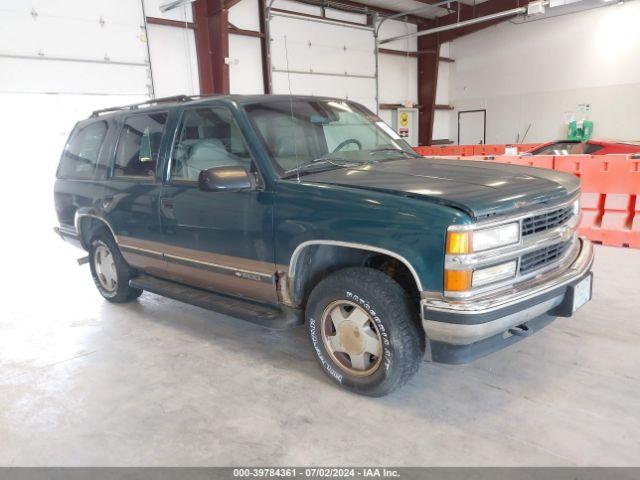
column 464, row 322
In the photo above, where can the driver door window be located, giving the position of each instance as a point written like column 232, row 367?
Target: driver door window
column 208, row 138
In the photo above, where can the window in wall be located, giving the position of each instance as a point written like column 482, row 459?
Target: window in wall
column 209, row 137
column 139, row 145
column 81, row 153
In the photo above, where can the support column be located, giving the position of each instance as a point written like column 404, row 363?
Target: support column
column 212, row 45
column 428, row 53
column 264, row 46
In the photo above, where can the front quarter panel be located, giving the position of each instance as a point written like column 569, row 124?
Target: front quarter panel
column 414, row 229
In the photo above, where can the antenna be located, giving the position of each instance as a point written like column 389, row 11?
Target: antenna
column 295, row 143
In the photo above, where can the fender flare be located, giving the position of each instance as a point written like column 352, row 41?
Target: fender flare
column 89, row 213
column 295, row 256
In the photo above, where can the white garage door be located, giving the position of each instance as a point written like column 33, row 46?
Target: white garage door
column 174, row 60
column 310, row 57
column 59, row 60
column 73, row 47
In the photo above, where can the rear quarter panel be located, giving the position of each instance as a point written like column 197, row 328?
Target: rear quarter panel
column 83, row 195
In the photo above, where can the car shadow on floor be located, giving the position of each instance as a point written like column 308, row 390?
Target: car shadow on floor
column 484, row 385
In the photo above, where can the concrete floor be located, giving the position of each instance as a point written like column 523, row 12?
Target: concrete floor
column 157, row 382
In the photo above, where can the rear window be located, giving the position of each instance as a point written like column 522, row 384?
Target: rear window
column 81, row 153
column 139, row 145
column 568, row 148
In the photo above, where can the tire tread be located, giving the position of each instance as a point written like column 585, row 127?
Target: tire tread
column 408, row 337
column 124, row 293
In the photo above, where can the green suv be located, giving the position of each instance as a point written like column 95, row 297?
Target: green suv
column 292, row 210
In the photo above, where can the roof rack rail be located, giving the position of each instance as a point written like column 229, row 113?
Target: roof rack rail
column 206, row 95
column 135, row 106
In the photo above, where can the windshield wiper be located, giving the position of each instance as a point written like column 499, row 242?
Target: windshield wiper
column 391, row 149
column 320, row 160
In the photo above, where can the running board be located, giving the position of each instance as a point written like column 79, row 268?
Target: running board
column 265, row 315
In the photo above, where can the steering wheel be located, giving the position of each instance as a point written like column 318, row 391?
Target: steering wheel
column 347, row 142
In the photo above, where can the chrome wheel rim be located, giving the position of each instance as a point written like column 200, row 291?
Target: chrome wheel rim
column 105, row 268
column 351, row 338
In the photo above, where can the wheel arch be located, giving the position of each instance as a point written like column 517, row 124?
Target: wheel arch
column 87, row 223
column 327, row 256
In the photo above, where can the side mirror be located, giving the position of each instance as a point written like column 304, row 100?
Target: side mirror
column 225, row 179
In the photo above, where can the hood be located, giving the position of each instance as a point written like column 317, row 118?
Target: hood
column 481, row 189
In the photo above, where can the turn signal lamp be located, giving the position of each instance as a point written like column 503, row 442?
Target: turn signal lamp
column 458, row 243
column 457, row 280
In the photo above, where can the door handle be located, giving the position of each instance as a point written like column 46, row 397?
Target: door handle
column 166, row 204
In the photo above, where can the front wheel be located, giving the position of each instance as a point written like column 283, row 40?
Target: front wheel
column 110, row 271
column 364, row 331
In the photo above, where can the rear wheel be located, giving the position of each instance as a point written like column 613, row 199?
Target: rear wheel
column 364, row 331
column 110, row 271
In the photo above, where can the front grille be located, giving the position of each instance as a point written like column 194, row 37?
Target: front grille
column 543, row 257
column 545, row 221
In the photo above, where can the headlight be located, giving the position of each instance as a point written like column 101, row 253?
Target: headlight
column 495, row 237
column 463, row 242
column 479, row 240
column 488, row 275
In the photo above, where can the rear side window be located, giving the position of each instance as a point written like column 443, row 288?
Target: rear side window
column 81, row 153
column 139, row 145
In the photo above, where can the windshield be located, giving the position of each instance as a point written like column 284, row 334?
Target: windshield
column 306, row 135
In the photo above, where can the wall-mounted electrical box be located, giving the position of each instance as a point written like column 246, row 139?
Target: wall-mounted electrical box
column 405, row 122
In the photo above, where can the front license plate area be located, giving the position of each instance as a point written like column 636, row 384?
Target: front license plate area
column 581, row 292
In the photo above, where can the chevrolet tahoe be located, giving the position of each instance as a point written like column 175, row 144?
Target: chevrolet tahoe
column 298, row 210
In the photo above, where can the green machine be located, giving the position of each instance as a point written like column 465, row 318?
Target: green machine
column 580, row 130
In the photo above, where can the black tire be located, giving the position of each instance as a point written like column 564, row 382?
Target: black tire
column 396, row 325
column 121, row 292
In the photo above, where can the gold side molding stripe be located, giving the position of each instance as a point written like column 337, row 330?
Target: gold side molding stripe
column 241, row 273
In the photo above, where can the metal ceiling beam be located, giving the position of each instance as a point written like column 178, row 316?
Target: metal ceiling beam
column 165, row 7
column 462, row 24
column 446, row 5
column 350, row 5
column 467, row 12
column 427, row 6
